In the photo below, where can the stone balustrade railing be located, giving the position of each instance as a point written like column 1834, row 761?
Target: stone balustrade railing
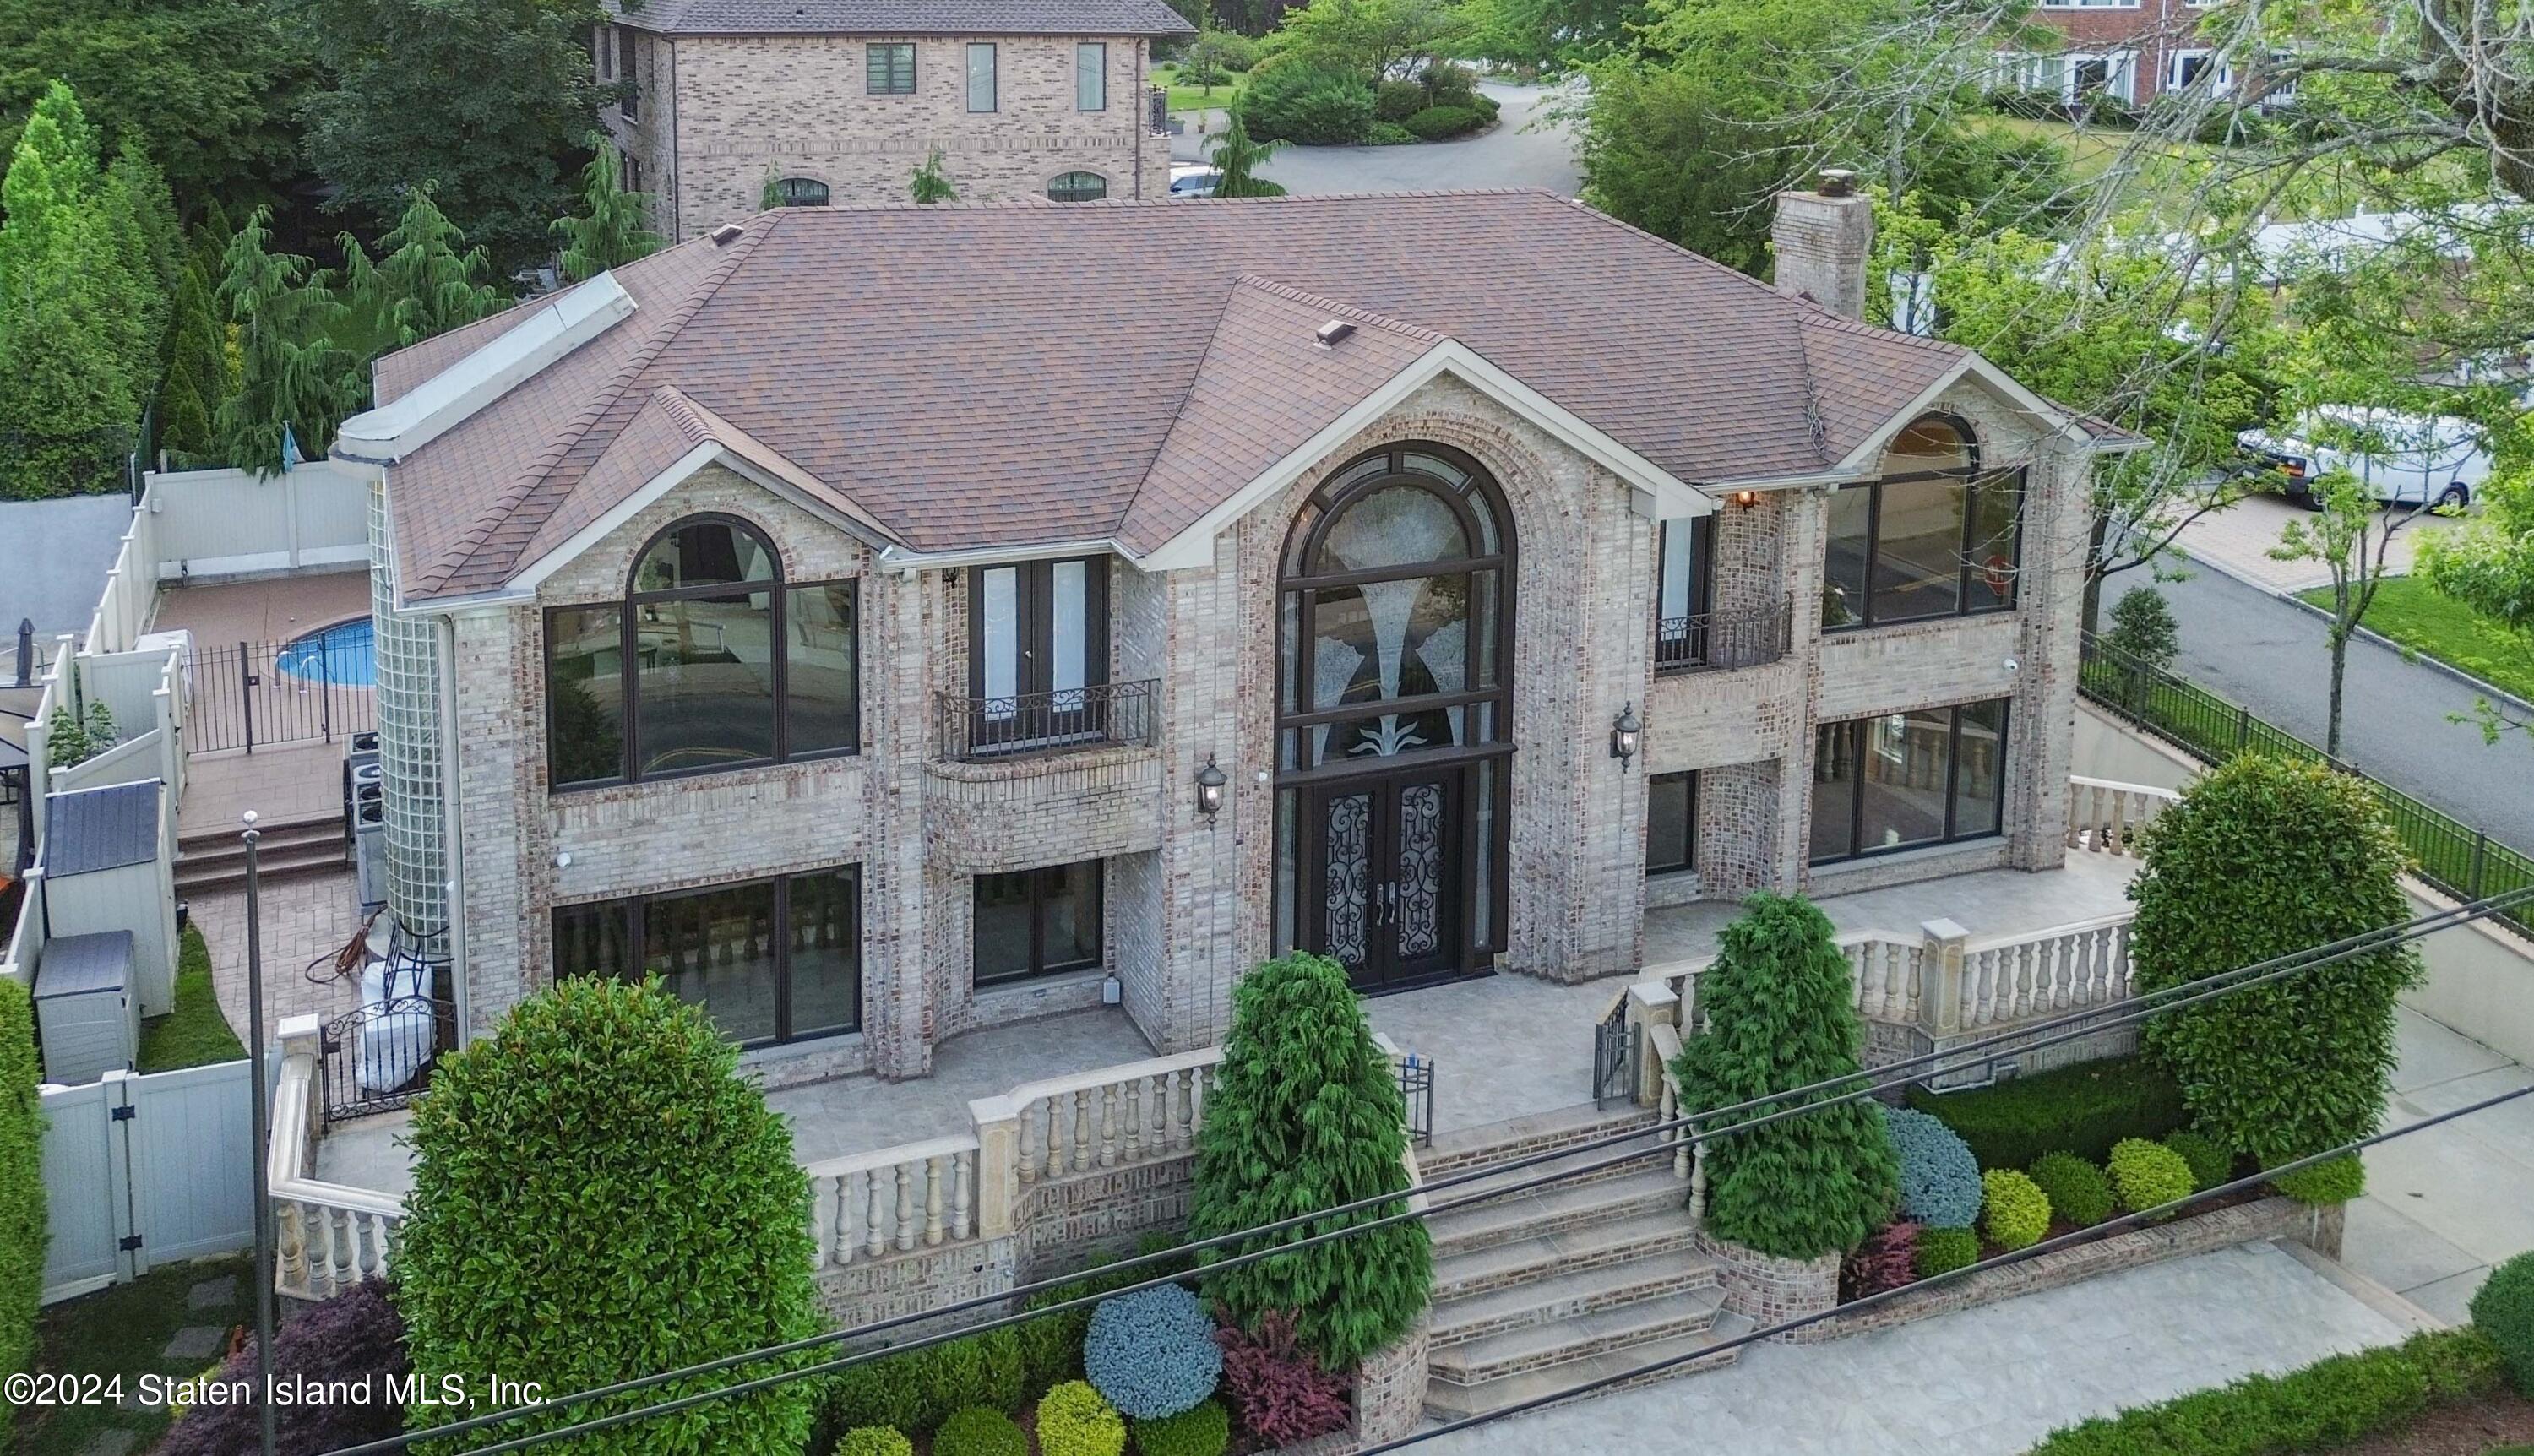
column 2067, row 968
column 326, row 1237
column 1113, row 1116
column 869, row 1204
column 2105, row 817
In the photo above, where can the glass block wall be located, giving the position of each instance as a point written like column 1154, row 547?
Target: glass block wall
column 409, row 739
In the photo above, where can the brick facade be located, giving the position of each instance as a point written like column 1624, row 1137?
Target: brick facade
column 716, row 114
column 2148, row 36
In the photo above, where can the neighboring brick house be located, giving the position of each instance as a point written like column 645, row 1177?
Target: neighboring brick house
column 889, row 621
column 2132, row 50
column 840, row 100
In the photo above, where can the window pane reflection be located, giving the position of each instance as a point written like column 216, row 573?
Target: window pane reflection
column 1918, row 553
column 1844, row 584
column 703, row 682
column 1833, row 828
column 1979, row 778
column 1907, row 760
column 819, row 705
column 716, row 948
column 584, row 658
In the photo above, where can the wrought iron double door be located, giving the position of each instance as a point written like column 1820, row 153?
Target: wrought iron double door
column 1384, row 892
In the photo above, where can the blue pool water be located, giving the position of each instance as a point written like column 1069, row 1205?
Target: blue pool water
column 345, row 652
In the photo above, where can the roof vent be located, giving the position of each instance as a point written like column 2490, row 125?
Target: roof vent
column 1333, row 332
column 727, row 233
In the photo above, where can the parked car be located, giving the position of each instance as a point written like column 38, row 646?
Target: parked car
column 2424, row 459
column 1193, row 181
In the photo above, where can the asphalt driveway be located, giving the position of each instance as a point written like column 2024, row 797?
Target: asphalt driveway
column 1522, row 149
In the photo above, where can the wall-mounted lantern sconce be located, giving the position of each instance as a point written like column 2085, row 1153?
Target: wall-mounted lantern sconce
column 1209, row 789
column 1746, row 499
column 1627, row 735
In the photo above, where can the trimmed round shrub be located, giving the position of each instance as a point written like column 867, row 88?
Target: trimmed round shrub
column 2146, row 1174
column 1397, row 101
column 1389, row 134
column 2335, row 1182
column 2211, row 1164
column 597, row 1194
column 1940, row 1179
column 1435, row 123
column 353, row 1336
column 978, row 1432
column 2013, row 1210
column 874, row 1440
column 1202, row 1429
column 1074, row 1421
column 2078, row 1190
column 2503, row 1310
column 1943, row 1250
column 1152, row 1352
column 1448, row 84
column 1313, row 105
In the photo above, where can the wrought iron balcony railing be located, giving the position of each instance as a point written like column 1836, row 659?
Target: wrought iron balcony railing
column 1746, row 637
column 1157, row 103
column 1046, row 722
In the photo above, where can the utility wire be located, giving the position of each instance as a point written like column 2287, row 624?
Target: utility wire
column 2072, row 1027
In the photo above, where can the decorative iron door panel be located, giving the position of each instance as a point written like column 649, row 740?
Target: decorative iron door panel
column 1385, row 889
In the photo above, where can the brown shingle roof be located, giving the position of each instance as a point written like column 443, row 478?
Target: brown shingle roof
column 1004, row 375
column 904, row 18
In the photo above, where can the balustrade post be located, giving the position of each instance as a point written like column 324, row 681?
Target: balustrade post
column 1650, row 1004
column 1004, row 1161
column 874, row 1239
column 935, row 1176
column 1940, row 1006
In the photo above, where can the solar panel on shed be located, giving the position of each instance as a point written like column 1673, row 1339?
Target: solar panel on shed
column 94, row 829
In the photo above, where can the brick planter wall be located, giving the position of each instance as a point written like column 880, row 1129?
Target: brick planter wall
column 1769, row 1290
column 1389, row 1400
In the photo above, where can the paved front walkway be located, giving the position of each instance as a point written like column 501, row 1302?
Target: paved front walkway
column 1989, row 1381
column 302, row 920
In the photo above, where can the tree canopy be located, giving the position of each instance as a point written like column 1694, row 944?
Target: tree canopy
column 609, row 229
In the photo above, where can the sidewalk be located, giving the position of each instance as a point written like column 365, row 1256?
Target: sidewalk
column 2237, row 540
column 2444, row 1206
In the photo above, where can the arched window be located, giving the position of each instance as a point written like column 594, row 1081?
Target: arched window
column 1393, row 718
column 711, row 661
column 1077, row 187
column 800, row 192
column 1932, row 536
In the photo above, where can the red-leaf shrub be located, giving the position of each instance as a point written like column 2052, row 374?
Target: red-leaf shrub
column 1883, row 1262
column 354, row 1334
column 1276, row 1391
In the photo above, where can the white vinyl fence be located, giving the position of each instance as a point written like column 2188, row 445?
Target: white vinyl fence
column 141, row 1171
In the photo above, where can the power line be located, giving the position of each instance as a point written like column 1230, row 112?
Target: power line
column 2072, row 1027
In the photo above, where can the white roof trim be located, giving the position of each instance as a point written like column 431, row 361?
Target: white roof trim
column 1674, row 499
column 446, row 399
column 906, row 559
column 525, row 582
column 2060, row 421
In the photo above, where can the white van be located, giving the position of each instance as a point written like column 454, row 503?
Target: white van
column 2427, row 460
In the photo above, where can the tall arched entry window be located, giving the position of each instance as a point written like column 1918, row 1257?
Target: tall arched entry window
column 1393, row 718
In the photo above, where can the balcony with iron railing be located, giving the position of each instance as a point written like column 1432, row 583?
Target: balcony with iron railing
column 1097, row 715
column 1157, row 111
column 1745, row 637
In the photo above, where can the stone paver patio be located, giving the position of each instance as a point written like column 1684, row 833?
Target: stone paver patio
column 1989, row 1381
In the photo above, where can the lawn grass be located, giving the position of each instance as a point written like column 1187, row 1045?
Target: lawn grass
column 195, row 1034
column 2414, row 614
column 124, row 1333
column 1197, row 97
column 2090, row 150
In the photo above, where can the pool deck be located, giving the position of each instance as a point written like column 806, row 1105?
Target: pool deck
column 273, row 610
column 281, row 783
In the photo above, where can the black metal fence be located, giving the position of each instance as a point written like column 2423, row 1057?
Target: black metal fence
column 2455, row 857
column 1611, row 1044
column 1745, row 637
column 1157, row 105
column 249, row 694
column 1035, row 722
column 380, row 1058
column 1416, row 1090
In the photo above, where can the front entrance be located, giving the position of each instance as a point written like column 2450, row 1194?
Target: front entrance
column 1385, row 876
column 1393, row 719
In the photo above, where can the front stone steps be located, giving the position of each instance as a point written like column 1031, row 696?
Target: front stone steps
column 1543, row 1291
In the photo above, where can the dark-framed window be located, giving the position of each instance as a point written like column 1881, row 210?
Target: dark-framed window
column 1672, row 822
column 1684, row 591
column 1090, row 75
column 800, row 192
column 628, row 104
column 1899, row 781
column 888, row 68
column 711, row 661
column 981, row 76
column 1035, row 922
column 769, row 960
column 1038, row 639
column 1934, row 536
column 1077, row 187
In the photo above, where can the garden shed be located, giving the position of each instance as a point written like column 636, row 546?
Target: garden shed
column 85, row 1013
column 106, row 868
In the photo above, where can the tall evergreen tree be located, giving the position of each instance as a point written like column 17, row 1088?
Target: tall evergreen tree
column 1308, row 1116
column 289, row 372
column 609, row 230
column 138, row 222
column 426, row 279
column 198, row 368
column 67, row 410
column 1781, row 1013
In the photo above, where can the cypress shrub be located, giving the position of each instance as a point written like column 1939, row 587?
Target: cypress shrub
column 874, row 1440
column 1307, row 1114
column 22, row 1183
column 1074, row 1421
column 1781, row 1013
column 598, row 1195
column 2015, row 1211
column 2147, row 1175
column 2503, row 1309
column 1940, row 1179
column 2264, row 857
column 1943, row 1250
column 1203, row 1429
column 978, row 1432
column 1152, row 1352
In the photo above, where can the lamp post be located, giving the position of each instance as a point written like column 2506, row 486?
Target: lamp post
column 259, row 1114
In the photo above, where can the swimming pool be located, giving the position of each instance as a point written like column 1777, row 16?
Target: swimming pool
column 344, row 654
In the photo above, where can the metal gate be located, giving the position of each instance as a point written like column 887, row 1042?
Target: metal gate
column 1610, row 1048
column 316, row 688
column 141, row 1171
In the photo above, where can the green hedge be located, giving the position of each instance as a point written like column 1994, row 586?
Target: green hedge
column 2082, row 1110
column 22, row 1185
column 2329, row 1402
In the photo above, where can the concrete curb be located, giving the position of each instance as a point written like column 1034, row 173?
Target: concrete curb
column 2376, row 1296
column 2491, row 690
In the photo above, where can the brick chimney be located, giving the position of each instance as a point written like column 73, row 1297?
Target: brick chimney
column 1822, row 238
